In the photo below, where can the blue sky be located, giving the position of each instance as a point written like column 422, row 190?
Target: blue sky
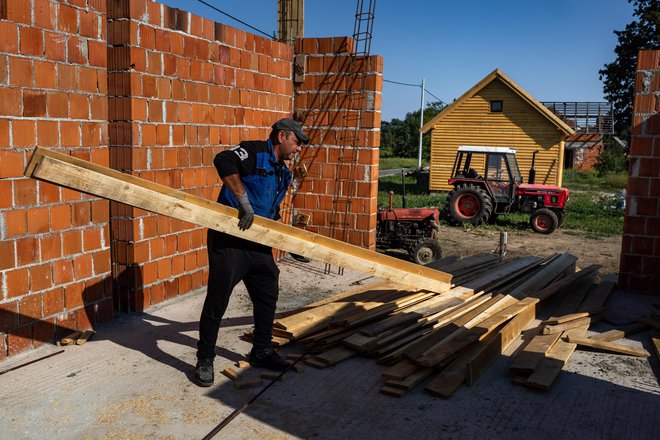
column 551, row 48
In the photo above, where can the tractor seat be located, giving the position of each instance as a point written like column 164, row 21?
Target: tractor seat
column 472, row 174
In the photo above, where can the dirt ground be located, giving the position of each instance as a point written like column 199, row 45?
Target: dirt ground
column 604, row 251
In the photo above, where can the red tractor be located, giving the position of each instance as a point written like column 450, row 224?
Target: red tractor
column 413, row 229
column 487, row 182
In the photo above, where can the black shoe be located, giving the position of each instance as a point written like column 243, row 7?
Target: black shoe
column 204, row 372
column 267, row 358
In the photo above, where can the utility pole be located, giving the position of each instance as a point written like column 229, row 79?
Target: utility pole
column 421, row 124
column 290, row 20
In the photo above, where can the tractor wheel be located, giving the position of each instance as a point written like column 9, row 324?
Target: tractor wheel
column 560, row 217
column 426, row 251
column 543, row 221
column 469, row 204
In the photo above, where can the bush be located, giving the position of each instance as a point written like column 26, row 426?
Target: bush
column 611, row 159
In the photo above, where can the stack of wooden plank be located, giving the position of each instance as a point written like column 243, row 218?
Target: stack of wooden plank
column 452, row 336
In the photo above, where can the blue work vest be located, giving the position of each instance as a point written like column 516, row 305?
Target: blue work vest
column 265, row 186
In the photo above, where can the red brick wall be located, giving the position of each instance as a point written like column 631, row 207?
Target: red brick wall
column 181, row 89
column 585, row 149
column 158, row 99
column 330, row 116
column 640, row 253
column 54, row 243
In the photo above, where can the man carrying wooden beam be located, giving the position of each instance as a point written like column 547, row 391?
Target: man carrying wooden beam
column 255, row 180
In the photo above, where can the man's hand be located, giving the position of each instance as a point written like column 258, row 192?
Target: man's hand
column 245, row 212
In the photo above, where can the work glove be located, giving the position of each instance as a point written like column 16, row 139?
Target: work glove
column 245, row 212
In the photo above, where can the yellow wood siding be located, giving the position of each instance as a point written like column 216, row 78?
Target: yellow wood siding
column 519, row 126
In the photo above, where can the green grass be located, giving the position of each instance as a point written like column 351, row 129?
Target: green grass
column 587, row 212
column 392, row 163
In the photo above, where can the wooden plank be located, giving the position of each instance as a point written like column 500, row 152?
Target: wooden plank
column 466, row 335
column 599, row 296
column 70, row 339
column 445, row 384
column 449, row 325
column 86, row 336
column 411, row 314
column 655, row 340
column 409, row 382
column 551, row 329
column 555, row 320
column 502, row 274
column 455, row 374
column 110, row 184
column 616, row 334
column 564, row 282
column 534, row 352
column 392, row 391
column 607, row 346
column 335, row 355
column 230, row 373
column 533, row 284
column 400, row 370
column 315, row 362
column 492, row 350
column 550, row 367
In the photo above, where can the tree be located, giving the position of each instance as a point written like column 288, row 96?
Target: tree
column 400, row 138
column 619, row 76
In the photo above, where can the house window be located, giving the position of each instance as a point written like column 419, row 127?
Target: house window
column 495, row 106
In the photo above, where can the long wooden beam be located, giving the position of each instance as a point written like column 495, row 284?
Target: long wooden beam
column 110, row 184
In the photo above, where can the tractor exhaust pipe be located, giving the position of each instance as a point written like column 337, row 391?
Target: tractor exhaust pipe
column 403, row 196
column 532, row 170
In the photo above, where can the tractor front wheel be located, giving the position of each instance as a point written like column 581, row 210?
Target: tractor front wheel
column 426, row 251
column 469, row 204
column 544, row 221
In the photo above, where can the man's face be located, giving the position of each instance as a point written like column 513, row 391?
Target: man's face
column 289, row 145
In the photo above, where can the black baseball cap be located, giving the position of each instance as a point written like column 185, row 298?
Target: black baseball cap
column 288, row 124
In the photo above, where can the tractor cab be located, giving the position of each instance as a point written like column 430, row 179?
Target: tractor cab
column 497, row 167
column 487, row 182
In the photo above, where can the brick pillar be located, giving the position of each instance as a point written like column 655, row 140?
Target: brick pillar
column 182, row 88
column 342, row 159
column 640, row 253
column 54, row 242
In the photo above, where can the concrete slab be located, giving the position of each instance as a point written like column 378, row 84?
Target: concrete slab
column 132, row 381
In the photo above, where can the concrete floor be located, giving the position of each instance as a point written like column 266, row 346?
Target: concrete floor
column 132, row 381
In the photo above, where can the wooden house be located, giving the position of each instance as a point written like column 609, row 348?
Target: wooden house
column 498, row 112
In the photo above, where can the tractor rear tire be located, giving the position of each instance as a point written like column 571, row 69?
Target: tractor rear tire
column 560, row 217
column 544, row 221
column 469, row 204
column 426, row 251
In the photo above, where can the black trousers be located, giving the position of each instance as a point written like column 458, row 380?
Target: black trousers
column 232, row 260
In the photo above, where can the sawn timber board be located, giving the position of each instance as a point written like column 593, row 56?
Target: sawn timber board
column 111, row 184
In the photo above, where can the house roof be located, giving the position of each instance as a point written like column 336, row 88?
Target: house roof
column 494, row 75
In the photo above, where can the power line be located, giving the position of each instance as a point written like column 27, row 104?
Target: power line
column 414, row 85
column 441, row 101
column 401, row 84
column 236, row 19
